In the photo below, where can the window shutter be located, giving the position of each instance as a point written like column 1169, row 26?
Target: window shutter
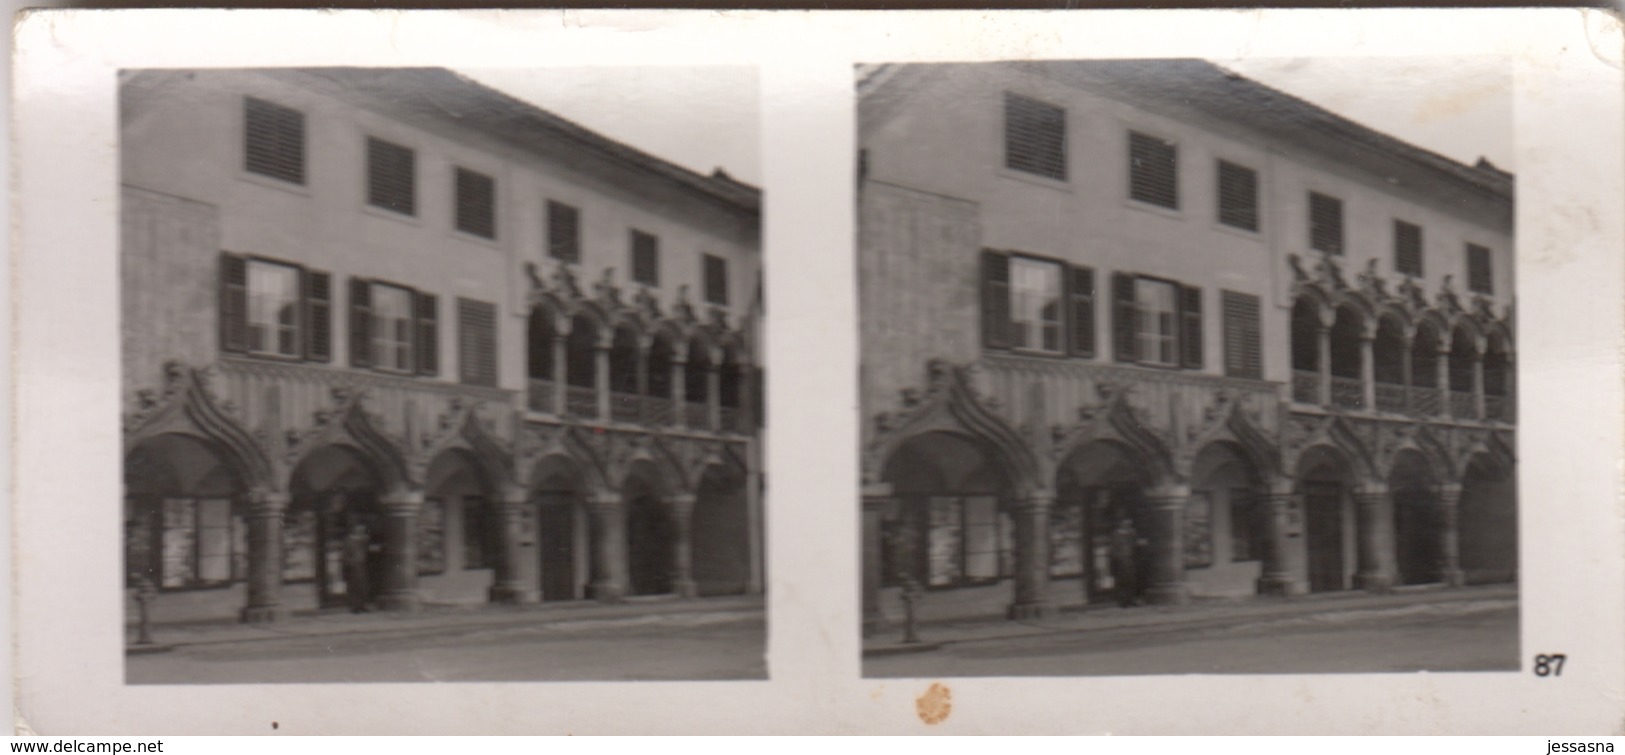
column 360, row 323
column 1034, row 137
column 1243, row 352
column 1238, row 196
column 476, row 342
column 1407, row 248
column 476, row 203
column 1325, row 223
column 563, row 232
column 1153, row 170
column 273, row 140
column 1479, row 276
column 1190, row 327
column 1124, row 329
column 1081, row 307
column 317, row 293
column 233, row 303
column 995, row 300
column 428, row 341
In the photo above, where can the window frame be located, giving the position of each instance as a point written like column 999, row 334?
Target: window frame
column 299, row 329
column 410, row 321
column 1174, row 339
column 1061, row 324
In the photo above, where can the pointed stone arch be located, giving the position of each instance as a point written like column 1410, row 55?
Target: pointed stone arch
column 464, row 428
column 348, row 423
column 187, row 407
column 1231, row 422
column 1307, row 432
column 951, row 405
column 540, row 442
column 1117, row 420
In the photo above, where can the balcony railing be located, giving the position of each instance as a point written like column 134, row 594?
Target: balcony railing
column 1391, row 397
column 1497, row 407
column 541, row 395
column 625, row 407
column 732, row 418
column 657, row 410
column 1425, row 401
column 1462, row 405
column 697, row 415
column 1306, row 386
column 580, row 402
column 1348, row 393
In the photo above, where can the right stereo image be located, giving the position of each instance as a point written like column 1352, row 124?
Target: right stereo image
column 1166, row 369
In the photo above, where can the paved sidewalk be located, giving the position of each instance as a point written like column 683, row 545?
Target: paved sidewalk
column 434, row 619
column 1257, row 610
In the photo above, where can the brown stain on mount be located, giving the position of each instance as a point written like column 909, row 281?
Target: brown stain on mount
column 935, row 705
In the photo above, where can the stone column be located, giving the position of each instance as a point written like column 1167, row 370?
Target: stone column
column 1405, row 370
column 1375, row 508
column 681, row 507
column 642, row 398
column 561, row 355
column 1368, row 371
column 1449, row 500
column 509, row 586
column 1032, row 556
column 609, row 579
column 600, row 379
column 679, row 393
column 1276, row 577
column 875, row 499
column 265, row 510
column 713, row 397
column 1324, row 339
column 1442, row 365
column 1478, row 385
column 1167, row 570
column 400, row 577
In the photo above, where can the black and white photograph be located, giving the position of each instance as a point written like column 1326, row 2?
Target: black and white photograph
column 1168, row 370
column 425, row 381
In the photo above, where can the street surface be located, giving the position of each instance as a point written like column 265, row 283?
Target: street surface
column 677, row 646
column 1465, row 636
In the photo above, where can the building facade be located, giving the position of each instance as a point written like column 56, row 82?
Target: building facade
column 1272, row 344
column 518, row 356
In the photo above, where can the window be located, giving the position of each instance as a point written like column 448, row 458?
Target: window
column 1325, row 223
column 274, row 309
column 273, row 140
column 1153, row 170
column 1480, row 278
column 1198, row 531
column 432, row 537
column 183, row 543
column 476, row 204
column 391, row 177
column 1156, row 322
column 1035, row 305
column 477, row 342
column 563, row 232
column 1407, row 248
column 1238, row 196
column 645, row 258
column 716, row 280
column 968, row 540
column 1247, row 529
column 1034, row 137
column 1243, row 350
column 393, row 328
column 477, row 533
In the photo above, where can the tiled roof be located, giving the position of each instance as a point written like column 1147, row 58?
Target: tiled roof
column 444, row 94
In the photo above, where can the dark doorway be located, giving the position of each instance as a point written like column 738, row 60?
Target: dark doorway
column 649, row 546
column 556, row 537
column 1323, row 502
column 1416, row 534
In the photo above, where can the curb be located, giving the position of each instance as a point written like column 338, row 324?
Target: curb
column 901, row 649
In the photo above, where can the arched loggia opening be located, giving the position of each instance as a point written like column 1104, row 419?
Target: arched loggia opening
column 1463, row 366
column 1306, row 351
column 948, row 525
column 335, row 492
column 183, row 517
column 729, row 377
column 1226, row 527
column 581, row 367
column 1389, row 352
column 459, row 531
column 563, row 539
column 1497, row 380
column 1418, row 526
column 697, row 383
column 1347, row 361
column 1100, row 497
column 1326, row 485
column 1487, row 518
column 626, row 403
column 1426, row 398
column 661, row 357
column 540, row 335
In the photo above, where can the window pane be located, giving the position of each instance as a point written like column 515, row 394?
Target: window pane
column 273, row 316
column 1157, row 320
column 214, row 540
column 1035, row 304
column 981, row 538
column 392, row 326
column 944, row 541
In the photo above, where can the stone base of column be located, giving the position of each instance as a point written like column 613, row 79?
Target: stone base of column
column 1452, row 577
column 1374, row 582
column 1033, row 610
column 263, row 614
column 685, row 588
column 513, row 594
column 606, row 592
column 1280, row 584
column 404, row 601
column 1167, row 595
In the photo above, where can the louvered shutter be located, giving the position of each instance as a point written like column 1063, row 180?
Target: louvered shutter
column 995, row 300
column 1190, row 327
column 1480, row 278
column 428, row 333
column 1153, row 170
column 316, row 292
column 360, row 322
column 1238, row 196
column 1407, row 248
column 476, row 342
column 233, row 303
column 1081, row 308
column 1125, row 331
column 1243, row 353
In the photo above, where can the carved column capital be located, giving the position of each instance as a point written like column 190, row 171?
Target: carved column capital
column 1035, row 502
column 403, row 503
column 263, row 503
